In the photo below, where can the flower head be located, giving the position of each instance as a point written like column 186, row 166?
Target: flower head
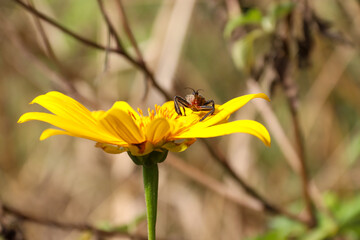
column 121, row 128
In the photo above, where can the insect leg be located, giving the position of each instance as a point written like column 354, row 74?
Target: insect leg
column 211, row 109
column 176, row 105
column 184, row 111
column 180, row 102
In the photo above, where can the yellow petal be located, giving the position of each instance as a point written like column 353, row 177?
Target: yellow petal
column 113, row 149
column 169, row 105
column 179, row 147
column 66, row 107
column 240, row 126
column 141, row 149
column 126, row 108
column 157, row 130
column 122, row 125
column 74, row 128
column 98, row 114
column 225, row 110
column 52, row 132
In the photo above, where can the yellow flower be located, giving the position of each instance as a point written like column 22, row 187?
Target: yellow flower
column 122, row 129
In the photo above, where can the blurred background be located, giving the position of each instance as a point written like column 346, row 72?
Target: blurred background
column 304, row 55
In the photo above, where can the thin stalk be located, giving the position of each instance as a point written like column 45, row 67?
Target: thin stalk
column 82, row 227
column 111, row 27
column 151, row 180
column 43, row 35
column 139, row 65
column 268, row 207
column 310, row 208
column 128, row 31
column 130, row 35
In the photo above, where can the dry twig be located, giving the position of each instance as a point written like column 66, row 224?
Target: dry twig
column 67, row 226
column 95, row 45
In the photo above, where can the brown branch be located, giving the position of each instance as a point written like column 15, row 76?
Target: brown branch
column 212, row 184
column 281, row 66
column 111, row 27
column 43, row 35
column 128, row 31
column 50, row 52
column 67, row 226
column 304, row 175
column 133, row 42
column 87, row 42
column 151, row 76
column 78, row 37
column 284, row 69
column 64, row 29
column 268, row 207
column 141, row 63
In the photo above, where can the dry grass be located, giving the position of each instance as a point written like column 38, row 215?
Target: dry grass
column 68, row 180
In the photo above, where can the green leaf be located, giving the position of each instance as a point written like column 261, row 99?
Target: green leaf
column 281, row 10
column 106, row 226
column 345, row 222
column 326, row 229
column 275, row 13
column 243, row 53
column 246, row 49
column 348, row 211
column 252, row 16
column 85, row 236
column 272, row 235
column 353, row 149
column 287, row 227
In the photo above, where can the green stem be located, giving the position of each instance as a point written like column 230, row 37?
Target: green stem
column 151, row 180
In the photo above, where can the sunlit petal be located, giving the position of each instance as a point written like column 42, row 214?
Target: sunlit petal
column 98, row 114
column 240, row 126
column 52, row 132
column 157, row 130
column 124, row 106
column 122, row 124
column 141, row 149
column 113, row 149
column 179, row 147
column 228, row 108
column 122, row 129
column 65, row 106
column 72, row 127
column 169, row 105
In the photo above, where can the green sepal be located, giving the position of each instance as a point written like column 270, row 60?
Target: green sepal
column 154, row 157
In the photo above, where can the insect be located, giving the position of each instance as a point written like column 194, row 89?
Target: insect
column 195, row 102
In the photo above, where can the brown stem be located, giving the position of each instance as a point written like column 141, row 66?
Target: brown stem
column 269, row 207
column 43, row 35
column 67, row 226
column 64, row 29
column 128, row 31
column 292, row 102
column 141, row 63
column 138, row 65
column 284, row 68
column 50, row 52
column 111, row 27
column 133, row 42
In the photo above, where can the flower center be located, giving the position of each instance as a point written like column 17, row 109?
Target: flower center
column 177, row 123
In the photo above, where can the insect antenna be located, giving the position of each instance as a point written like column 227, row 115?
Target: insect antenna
column 197, row 91
column 194, row 91
column 191, row 89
